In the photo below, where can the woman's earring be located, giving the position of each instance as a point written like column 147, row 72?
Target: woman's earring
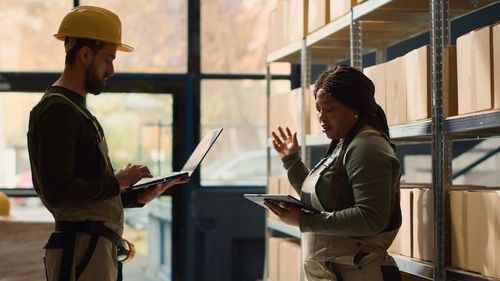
column 356, row 116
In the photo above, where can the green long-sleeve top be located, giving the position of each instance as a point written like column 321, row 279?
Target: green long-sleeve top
column 368, row 189
column 66, row 163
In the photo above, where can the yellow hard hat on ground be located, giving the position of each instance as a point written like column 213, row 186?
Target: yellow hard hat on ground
column 4, row 205
column 95, row 23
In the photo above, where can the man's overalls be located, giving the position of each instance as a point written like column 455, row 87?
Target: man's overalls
column 84, row 244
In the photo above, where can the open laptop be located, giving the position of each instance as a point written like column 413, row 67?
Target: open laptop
column 194, row 160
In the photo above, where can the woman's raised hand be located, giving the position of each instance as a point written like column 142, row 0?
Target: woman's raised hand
column 286, row 143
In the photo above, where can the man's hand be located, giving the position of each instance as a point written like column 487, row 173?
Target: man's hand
column 148, row 194
column 288, row 213
column 130, row 174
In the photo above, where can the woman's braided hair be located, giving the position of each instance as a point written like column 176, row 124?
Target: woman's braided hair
column 353, row 89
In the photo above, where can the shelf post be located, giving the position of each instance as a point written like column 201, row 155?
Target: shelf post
column 356, row 44
column 441, row 150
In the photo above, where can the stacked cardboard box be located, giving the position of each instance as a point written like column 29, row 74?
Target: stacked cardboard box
column 402, row 244
column 287, row 23
column 339, row 8
column 475, row 231
column 476, row 77
column 285, row 111
column 289, row 260
column 377, row 74
column 273, row 187
column 403, row 85
column 319, row 14
column 284, row 260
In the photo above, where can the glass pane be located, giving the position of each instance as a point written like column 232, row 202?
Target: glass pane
column 156, row 29
column 27, row 29
column 239, row 156
column 138, row 128
column 15, row 171
column 241, row 27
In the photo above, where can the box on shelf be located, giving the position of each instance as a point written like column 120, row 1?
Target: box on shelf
column 475, row 71
column 423, row 223
column 277, row 36
column 402, row 244
column 286, row 188
column 285, row 111
column 319, row 14
column 315, row 126
column 297, row 19
column 290, row 261
column 475, row 231
column 338, row 8
column 377, row 74
column 273, row 258
column 395, row 89
column 496, row 64
column 273, row 187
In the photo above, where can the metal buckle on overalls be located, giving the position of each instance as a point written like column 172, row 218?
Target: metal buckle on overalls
column 126, row 250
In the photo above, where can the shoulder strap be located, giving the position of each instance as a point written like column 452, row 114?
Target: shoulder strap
column 85, row 114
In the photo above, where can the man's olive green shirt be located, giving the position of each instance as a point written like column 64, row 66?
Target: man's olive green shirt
column 68, row 169
column 368, row 189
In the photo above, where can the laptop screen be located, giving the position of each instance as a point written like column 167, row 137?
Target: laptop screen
column 201, row 150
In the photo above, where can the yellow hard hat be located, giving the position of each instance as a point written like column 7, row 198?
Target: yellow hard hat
column 95, row 23
column 4, row 205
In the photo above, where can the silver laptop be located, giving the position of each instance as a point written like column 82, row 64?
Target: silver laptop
column 191, row 164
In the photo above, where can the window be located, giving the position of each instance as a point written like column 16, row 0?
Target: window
column 138, row 128
column 156, row 29
column 239, row 106
column 15, row 171
column 27, row 29
column 241, row 27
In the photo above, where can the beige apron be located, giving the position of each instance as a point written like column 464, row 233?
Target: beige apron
column 102, row 265
column 354, row 259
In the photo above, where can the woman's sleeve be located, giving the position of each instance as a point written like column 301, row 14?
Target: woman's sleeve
column 296, row 170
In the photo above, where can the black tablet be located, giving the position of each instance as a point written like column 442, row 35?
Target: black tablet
column 259, row 199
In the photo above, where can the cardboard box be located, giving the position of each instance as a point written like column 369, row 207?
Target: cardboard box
column 297, row 19
column 286, row 188
column 475, row 231
column 496, row 64
column 377, row 74
column 285, row 110
column 318, row 14
column 395, row 91
column 423, row 224
column 315, row 125
column 273, row 187
column 290, row 261
column 338, row 8
column 418, row 87
column 474, row 61
column 277, row 36
column 273, row 258
column 402, row 244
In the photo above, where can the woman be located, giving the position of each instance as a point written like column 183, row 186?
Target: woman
column 356, row 186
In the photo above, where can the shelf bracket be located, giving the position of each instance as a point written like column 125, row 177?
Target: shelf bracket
column 356, row 44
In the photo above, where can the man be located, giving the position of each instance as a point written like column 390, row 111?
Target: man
column 71, row 169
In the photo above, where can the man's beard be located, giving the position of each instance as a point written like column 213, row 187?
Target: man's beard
column 93, row 84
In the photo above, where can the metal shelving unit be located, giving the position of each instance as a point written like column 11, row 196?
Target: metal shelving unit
column 372, row 26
